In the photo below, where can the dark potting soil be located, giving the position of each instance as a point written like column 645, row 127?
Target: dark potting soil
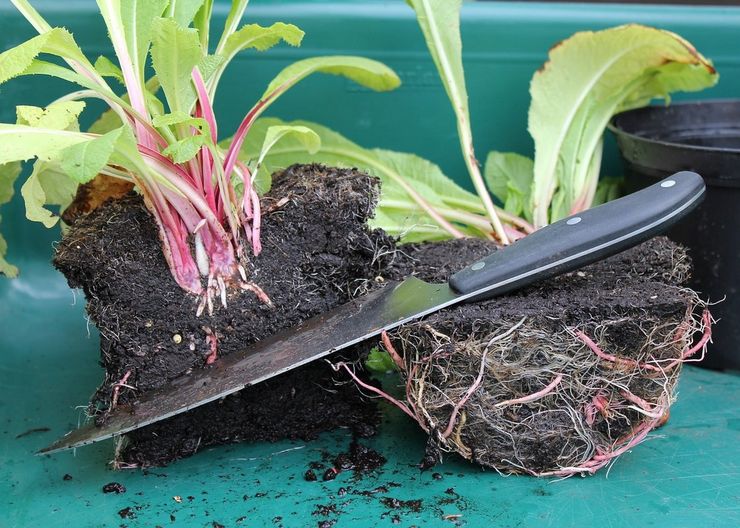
column 317, row 254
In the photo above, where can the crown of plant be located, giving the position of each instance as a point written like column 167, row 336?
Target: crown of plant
column 201, row 194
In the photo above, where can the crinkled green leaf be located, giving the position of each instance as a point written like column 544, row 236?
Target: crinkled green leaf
column 185, row 149
column 83, row 161
column 58, row 116
column 369, row 73
column 380, row 361
column 107, row 68
column 183, row 11
column 588, row 78
column 138, row 18
column 254, row 36
column 58, row 41
column 179, row 118
column 202, row 22
column 47, row 185
column 6, row 268
column 509, row 177
column 9, row 172
column 301, row 135
column 22, row 142
column 175, row 52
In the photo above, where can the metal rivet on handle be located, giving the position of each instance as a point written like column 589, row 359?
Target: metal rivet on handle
column 573, row 221
column 668, row 183
column 477, row 266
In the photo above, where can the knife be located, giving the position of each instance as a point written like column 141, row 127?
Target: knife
column 557, row 248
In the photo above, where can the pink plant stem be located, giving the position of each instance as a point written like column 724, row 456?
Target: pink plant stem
column 395, row 356
column 513, row 233
column 259, row 292
column 642, row 404
column 453, row 416
column 212, row 341
column 375, row 390
column 706, row 318
column 205, row 104
column 608, row 357
column 246, row 195
column 241, row 134
column 706, row 336
column 535, row 395
column 256, row 224
column 117, row 389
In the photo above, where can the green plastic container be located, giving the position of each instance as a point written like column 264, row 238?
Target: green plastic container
column 690, row 476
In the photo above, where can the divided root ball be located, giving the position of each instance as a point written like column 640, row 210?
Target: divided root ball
column 319, row 253
column 560, row 378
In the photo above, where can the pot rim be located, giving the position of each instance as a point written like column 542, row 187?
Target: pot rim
column 617, row 131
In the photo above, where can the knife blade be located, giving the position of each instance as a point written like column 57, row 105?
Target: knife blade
column 557, row 248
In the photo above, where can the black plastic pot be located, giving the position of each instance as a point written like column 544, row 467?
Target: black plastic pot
column 703, row 137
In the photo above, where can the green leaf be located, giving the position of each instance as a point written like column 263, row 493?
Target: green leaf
column 57, row 116
column 83, row 161
column 301, row 135
column 58, row 41
column 39, row 67
column 183, row 11
column 21, row 142
column 379, row 361
column 6, row 268
column 232, row 22
column 254, row 36
column 587, row 79
column 509, row 177
column 202, row 23
column 179, row 118
column 366, row 72
column 106, row 68
column 440, row 23
column 46, row 186
column 397, row 213
column 608, row 189
column 107, row 121
column 185, row 149
column 175, row 52
column 138, row 18
column 9, row 172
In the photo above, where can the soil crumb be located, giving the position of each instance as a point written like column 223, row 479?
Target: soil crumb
column 114, row 487
column 413, row 505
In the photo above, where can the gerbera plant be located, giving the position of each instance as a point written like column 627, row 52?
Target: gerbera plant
column 160, row 133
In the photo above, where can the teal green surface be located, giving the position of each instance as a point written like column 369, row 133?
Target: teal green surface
column 686, row 475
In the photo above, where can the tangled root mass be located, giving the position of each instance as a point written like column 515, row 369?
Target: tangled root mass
column 558, row 379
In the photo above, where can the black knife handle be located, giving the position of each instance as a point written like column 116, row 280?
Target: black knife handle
column 583, row 238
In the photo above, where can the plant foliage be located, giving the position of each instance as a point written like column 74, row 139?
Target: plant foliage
column 201, row 195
